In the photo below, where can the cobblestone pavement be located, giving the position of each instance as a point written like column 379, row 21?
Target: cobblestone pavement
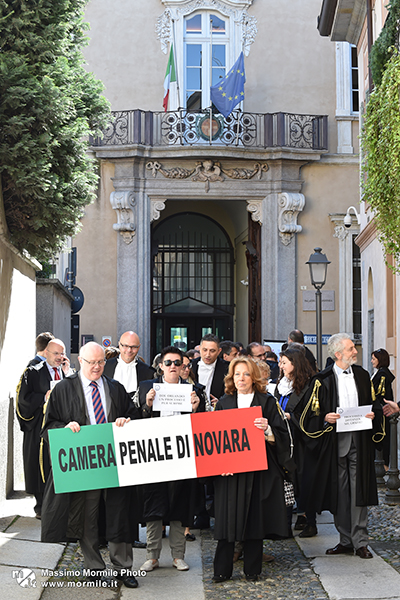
column 290, row 575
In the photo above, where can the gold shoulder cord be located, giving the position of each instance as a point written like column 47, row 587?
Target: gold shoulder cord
column 315, row 407
column 379, row 435
column 42, row 441
column 17, row 398
column 381, row 389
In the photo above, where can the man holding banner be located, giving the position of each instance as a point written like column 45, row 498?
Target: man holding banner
column 88, row 398
column 171, row 501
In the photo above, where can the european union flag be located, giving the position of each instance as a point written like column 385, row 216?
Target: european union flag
column 230, row 90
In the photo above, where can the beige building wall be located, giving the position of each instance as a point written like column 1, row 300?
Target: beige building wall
column 96, row 263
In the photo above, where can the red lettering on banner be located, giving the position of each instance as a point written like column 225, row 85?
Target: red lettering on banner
column 227, row 441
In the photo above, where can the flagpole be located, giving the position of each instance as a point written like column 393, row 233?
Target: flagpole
column 211, row 21
column 240, row 104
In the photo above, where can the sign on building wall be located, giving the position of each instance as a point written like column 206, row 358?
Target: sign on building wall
column 160, row 449
column 327, row 300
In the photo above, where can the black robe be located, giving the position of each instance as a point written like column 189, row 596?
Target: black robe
column 252, row 505
column 321, row 438
column 30, row 398
column 167, row 500
column 63, row 514
column 382, row 381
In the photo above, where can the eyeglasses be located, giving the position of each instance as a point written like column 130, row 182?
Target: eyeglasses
column 130, row 347
column 188, row 366
column 92, row 363
column 56, row 353
column 176, row 362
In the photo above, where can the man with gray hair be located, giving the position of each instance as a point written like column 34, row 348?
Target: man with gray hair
column 343, row 480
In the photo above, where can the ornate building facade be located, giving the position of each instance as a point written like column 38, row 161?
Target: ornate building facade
column 204, row 222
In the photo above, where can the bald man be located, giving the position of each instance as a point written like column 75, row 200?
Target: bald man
column 73, row 403
column 32, row 392
column 130, row 371
column 127, row 368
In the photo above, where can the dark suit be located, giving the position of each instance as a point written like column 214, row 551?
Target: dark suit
column 74, row 516
column 30, row 399
column 217, row 384
column 344, row 476
column 143, row 371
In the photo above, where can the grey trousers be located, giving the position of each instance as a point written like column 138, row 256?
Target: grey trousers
column 350, row 520
column 177, row 540
column 120, row 553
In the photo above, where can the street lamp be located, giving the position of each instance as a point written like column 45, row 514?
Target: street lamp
column 318, row 264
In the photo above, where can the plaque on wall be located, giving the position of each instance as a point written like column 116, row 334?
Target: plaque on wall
column 327, row 297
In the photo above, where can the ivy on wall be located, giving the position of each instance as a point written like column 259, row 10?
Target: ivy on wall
column 381, row 151
column 380, row 52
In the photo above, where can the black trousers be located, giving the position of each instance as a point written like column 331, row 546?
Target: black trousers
column 252, row 557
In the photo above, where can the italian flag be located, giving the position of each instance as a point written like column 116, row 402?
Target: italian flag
column 170, row 78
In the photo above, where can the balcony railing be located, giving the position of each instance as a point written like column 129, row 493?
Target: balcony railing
column 188, row 128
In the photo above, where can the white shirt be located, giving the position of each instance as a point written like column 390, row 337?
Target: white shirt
column 205, row 375
column 52, row 372
column 347, row 390
column 245, row 400
column 87, row 389
column 126, row 374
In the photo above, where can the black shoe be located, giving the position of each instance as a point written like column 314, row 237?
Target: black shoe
column 308, row 531
column 301, row 522
column 220, row 578
column 137, row 544
column 251, row 577
column 129, row 581
column 103, row 543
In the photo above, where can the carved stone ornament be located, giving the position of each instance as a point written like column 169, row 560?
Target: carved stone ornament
column 207, row 171
column 255, row 208
column 156, row 207
column 246, row 173
column 174, row 173
column 123, row 203
column 340, row 232
column 235, row 9
column 290, row 205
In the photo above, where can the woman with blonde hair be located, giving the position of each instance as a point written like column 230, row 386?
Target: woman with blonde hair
column 250, row 507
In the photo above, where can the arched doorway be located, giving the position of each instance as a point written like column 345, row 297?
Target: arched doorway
column 192, row 281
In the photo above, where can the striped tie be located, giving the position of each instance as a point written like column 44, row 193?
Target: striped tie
column 97, row 405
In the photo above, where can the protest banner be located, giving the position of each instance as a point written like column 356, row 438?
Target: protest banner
column 160, row 449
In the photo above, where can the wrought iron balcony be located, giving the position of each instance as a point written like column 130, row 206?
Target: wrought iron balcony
column 188, row 128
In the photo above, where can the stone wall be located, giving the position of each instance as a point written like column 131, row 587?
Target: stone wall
column 17, row 337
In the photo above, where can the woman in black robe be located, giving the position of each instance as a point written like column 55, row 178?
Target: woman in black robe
column 382, row 381
column 290, row 392
column 250, row 506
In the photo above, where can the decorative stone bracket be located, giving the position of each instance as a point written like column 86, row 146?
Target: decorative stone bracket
column 124, row 203
column 255, row 208
column 290, row 205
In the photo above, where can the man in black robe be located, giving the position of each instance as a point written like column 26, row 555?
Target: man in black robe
column 73, row 404
column 32, row 392
column 343, row 463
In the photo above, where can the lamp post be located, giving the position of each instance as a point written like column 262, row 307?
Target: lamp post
column 318, row 264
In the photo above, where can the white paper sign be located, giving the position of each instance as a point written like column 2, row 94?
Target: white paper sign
column 54, row 382
column 353, row 419
column 172, row 396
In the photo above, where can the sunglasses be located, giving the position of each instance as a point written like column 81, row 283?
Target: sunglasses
column 188, row 366
column 176, row 362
